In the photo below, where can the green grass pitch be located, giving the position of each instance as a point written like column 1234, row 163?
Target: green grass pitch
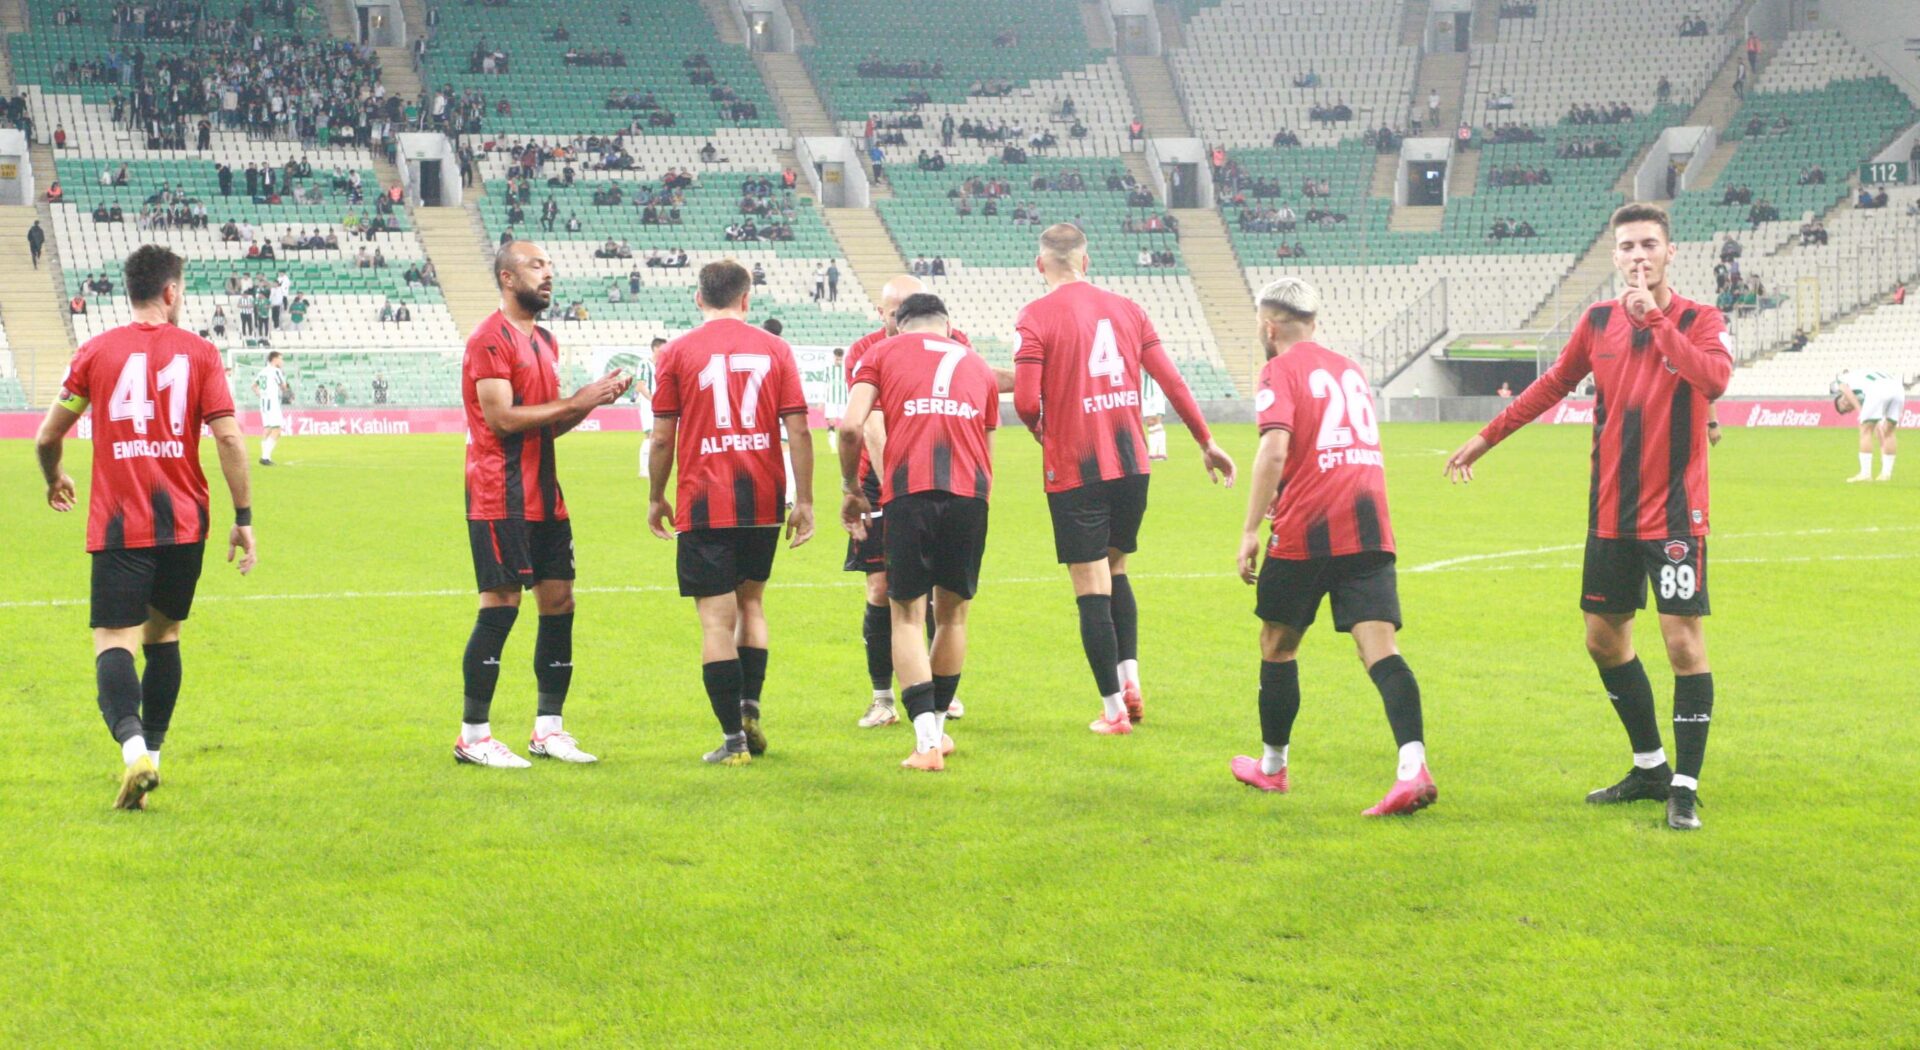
column 317, row 871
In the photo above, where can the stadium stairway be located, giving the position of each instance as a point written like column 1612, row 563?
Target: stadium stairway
column 802, row 25
column 1386, row 169
column 720, row 13
column 460, row 254
column 868, row 248
column 33, row 303
column 1150, row 81
column 1221, row 286
column 1413, row 22
column 801, row 110
column 1173, row 30
column 1138, row 168
column 1717, row 107
column 1099, row 31
column 1445, row 72
column 1463, row 173
column 1486, row 21
column 13, row 19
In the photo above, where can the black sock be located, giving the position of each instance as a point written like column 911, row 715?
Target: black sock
column 1126, row 618
column 753, row 676
column 945, row 688
column 481, row 666
column 1401, row 696
column 918, row 699
column 1632, row 697
column 1692, row 717
column 878, row 631
column 119, row 693
column 1279, row 701
column 159, row 689
column 1098, row 639
column 553, row 661
column 723, row 692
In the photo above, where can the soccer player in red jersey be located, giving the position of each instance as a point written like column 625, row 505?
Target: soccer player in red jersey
column 1320, row 452
column 721, row 393
column 1658, row 360
column 517, row 520
column 149, row 387
column 941, row 402
column 1077, row 387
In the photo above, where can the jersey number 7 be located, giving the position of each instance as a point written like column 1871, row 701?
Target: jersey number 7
column 950, row 357
column 714, row 376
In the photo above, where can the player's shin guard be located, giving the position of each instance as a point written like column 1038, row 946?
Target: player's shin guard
column 553, row 662
column 1400, row 693
column 119, row 693
column 878, row 632
column 1102, row 645
column 159, row 690
column 1692, row 716
column 1632, row 697
column 481, row 666
column 1279, row 701
column 722, row 678
column 1126, row 619
column 945, row 688
column 753, row 673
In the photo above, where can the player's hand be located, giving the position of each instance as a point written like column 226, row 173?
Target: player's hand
column 1713, row 436
column 1459, row 468
column 854, row 511
column 1248, row 560
column 1637, row 300
column 1219, row 465
column 800, row 524
column 241, row 540
column 660, row 518
column 60, row 494
column 602, row 391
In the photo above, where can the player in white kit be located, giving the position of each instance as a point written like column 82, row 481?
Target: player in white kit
column 643, row 399
column 1881, row 397
column 270, row 388
column 1153, row 413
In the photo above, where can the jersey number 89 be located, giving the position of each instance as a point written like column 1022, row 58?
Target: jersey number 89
column 1677, row 581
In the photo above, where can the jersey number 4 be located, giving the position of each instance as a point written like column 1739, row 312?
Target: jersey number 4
column 715, row 375
column 1105, row 360
column 131, row 403
column 1348, row 400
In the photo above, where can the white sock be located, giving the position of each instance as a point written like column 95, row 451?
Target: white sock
column 1273, row 759
column 1116, row 708
column 1685, row 782
column 545, row 724
column 883, row 696
column 1129, row 672
column 939, row 726
column 646, row 457
column 1650, row 759
column 474, row 732
column 1886, row 467
column 266, row 448
column 132, row 748
column 1412, row 757
column 926, row 732
column 155, row 757
column 1866, row 463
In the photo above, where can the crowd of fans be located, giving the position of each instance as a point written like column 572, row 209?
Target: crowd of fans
column 1588, row 149
column 1519, row 175
column 1611, row 113
column 1507, row 228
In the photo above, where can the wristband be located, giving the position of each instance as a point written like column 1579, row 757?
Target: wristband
column 1713, row 424
column 242, row 517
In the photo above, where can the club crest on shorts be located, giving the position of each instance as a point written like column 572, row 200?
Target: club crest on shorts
column 1676, row 551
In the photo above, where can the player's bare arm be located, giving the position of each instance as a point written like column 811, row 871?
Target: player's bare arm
column 1026, row 396
column 1269, row 462
column 49, row 445
column 232, row 447
column 854, row 507
column 1003, row 379
column 800, row 445
column 505, row 417
column 660, row 466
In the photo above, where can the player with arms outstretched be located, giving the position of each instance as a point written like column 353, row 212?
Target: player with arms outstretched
column 1880, row 398
column 1077, row 387
column 942, row 403
column 1658, row 360
column 517, row 522
column 721, row 392
column 149, row 387
column 1320, row 452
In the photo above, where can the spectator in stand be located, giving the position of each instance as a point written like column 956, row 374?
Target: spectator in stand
column 380, row 389
column 1900, row 294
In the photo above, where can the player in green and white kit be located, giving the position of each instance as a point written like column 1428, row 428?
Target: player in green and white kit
column 270, row 388
column 1153, row 413
column 1880, row 397
column 643, row 398
column 836, row 405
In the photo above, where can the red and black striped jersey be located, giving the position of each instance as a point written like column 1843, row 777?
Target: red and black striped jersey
column 511, row 476
column 730, row 385
column 940, row 401
column 1653, row 383
column 148, row 388
column 855, row 353
column 1077, row 383
column 1333, row 490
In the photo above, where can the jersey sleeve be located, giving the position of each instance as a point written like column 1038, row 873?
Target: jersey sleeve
column 1554, row 385
column 215, row 399
column 487, row 359
column 76, row 390
column 1160, row 367
column 1274, row 402
column 793, row 396
column 666, row 384
column 990, row 384
column 1028, row 348
column 1699, row 349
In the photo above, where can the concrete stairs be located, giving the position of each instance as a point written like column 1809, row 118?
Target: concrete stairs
column 1173, row 31
column 1445, row 72
column 1225, row 299
column 1463, row 173
column 802, row 28
column 460, row 252
column 801, row 110
column 801, row 187
column 1099, row 31
column 1413, row 22
column 415, row 12
column 1150, row 82
column 1715, row 164
column 33, row 302
column 867, row 246
column 1416, row 218
column 1577, row 287
column 13, row 16
column 1386, row 168
column 1138, row 167
column 723, row 22
column 1486, row 21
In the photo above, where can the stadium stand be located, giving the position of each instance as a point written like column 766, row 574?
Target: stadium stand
column 13, row 395
column 1886, row 337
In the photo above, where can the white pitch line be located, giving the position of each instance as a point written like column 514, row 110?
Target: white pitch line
column 1790, row 560
column 1448, row 563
